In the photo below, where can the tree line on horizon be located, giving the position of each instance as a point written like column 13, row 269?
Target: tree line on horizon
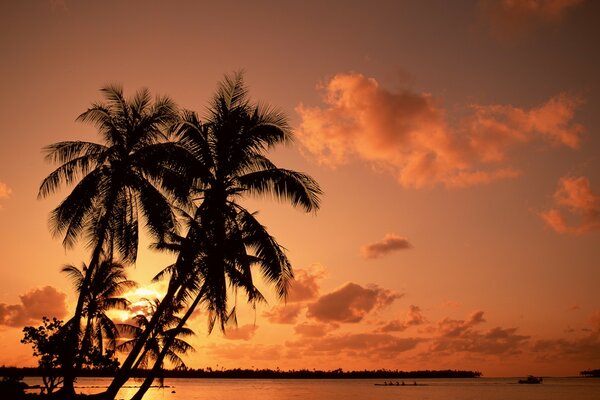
column 266, row 373
column 181, row 176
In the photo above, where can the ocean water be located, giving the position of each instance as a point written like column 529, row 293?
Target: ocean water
column 360, row 389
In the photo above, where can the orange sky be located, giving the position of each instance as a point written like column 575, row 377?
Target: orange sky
column 457, row 143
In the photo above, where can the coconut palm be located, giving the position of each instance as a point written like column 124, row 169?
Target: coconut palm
column 160, row 333
column 116, row 183
column 106, row 284
column 226, row 240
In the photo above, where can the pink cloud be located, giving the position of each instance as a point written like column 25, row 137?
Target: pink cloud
column 408, row 135
column 454, row 336
column 5, row 191
column 305, row 285
column 577, row 348
column 35, row 304
column 388, row 244
column 510, row 19
column 574, row 200
column 350, row 303
column 364, row 345
column 284, row 313
column 314, row 330
column 304, row 288
column 414, row 317
column 244, row 332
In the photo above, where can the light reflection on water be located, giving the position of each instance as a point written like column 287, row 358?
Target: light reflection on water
column 362, row 389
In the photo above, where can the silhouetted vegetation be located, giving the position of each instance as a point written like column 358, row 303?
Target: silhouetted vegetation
column 163, row 167
column 12, row 387
column 591, row 372
column 238, row 373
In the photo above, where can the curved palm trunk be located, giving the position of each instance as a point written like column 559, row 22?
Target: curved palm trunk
column 69, row 370
column 124, row 373
column 86, row 342
column 161, row 357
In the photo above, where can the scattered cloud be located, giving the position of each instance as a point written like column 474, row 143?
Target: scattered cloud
column 365, row 345
column 35, row 304
column 314, row 330
column 511, row 19
column 577, row 348
column 453, row 336
column 574, row 200
column 304, row 288
column 414, row 317
column 244, row 332
column 305, row 285
column 408, row 134
column 388, row 244
column 5, row 191
column 284, row 313
column 350, row 303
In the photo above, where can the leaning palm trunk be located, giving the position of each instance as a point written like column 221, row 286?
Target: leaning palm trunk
column 69, row 370
column 124, row 373
column 153, row 373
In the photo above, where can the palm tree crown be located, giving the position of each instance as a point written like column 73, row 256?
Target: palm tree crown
column 116, row 182
column 160, row 334
column 107, row 283
column 227, row 239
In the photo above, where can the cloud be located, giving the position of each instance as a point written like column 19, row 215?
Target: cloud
column 35, row 304
column 350, row 303
column 305, row 285
column 573, row 200
column 582, row 348
column 304, row 288
column 408, row 135
column 314, row 330
column 385, row 246
column 414, row 317
column 363, row 345
column 455, row 336
column 5, row 191
column 284, row 313
column 511, row 19
column 244, row 332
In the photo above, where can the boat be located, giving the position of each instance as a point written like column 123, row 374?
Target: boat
column 531, row 380
column 399, row 384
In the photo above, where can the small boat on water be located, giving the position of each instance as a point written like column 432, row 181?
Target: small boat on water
column 531, row 380
column 399, row 384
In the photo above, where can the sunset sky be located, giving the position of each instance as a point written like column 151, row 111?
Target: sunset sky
column 457, row 144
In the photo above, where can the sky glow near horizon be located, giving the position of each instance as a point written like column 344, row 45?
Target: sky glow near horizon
column 457, row 144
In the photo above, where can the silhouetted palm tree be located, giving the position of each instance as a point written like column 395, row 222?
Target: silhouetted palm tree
column 225, row 240
column 106, row 284
column 116, row 184
column 154, row 345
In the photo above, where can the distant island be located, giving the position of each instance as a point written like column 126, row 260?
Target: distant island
column 239, row 373
column 595, row 373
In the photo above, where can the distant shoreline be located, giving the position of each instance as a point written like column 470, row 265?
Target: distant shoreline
column 238, row 373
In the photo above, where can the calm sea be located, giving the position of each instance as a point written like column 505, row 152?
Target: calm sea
column 360, row 389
